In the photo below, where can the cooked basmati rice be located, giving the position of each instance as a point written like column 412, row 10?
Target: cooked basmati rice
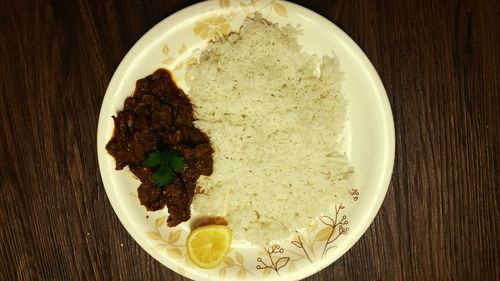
column 274, row 115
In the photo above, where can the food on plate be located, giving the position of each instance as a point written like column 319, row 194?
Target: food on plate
column 155, row 137
column 275, row 117
column 259, row 139
column 208, row 245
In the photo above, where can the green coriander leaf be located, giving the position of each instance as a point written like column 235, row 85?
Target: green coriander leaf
column 156, row 158
column 176, row 162
column 167, row 161
column 164, row 175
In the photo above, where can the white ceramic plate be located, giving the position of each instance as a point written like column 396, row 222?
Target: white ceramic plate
column 369, row 143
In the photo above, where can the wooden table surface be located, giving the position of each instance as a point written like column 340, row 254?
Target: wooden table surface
column 439, row 62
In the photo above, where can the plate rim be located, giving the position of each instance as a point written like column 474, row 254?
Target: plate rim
column 383, row 103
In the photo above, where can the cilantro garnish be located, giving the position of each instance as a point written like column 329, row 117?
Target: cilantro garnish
column 166, row 162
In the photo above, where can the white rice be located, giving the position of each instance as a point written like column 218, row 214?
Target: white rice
column 274, row 115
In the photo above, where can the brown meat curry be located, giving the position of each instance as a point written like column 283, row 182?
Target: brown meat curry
column 157, row 116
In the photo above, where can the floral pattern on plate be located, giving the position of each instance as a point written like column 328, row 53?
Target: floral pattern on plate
column 306, row 247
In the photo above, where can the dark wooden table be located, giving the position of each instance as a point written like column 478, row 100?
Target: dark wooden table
column 439, row 61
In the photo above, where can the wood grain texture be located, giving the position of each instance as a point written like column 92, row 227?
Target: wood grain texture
column 439, row 62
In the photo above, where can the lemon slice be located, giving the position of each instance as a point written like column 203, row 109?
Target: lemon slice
column 208, row 245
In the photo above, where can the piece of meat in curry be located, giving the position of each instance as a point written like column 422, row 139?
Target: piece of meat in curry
column 159, row 115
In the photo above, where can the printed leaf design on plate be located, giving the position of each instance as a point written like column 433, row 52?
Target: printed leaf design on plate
column 174, row 236
column 238, row 262
column 338, row 226
column 178, row 66
column 250, row 3
column 300, row 242
column 168, row 60
column 281, row 262
column 222, row 273
column 229, row 261
column 280, row 10
column 239, row 258
column 355, row 194
column 165, row 49
column 241, row 274
column 324, row 234
column 266, row 272
column 297, row 244
column 224, row 3
column 159, row 222
column 182, row 49
column 161, row 245
column 155, row 235
column 274, row 259
column 211, row 27
column 175, row 252
column 327, row 220
column 249, row 8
